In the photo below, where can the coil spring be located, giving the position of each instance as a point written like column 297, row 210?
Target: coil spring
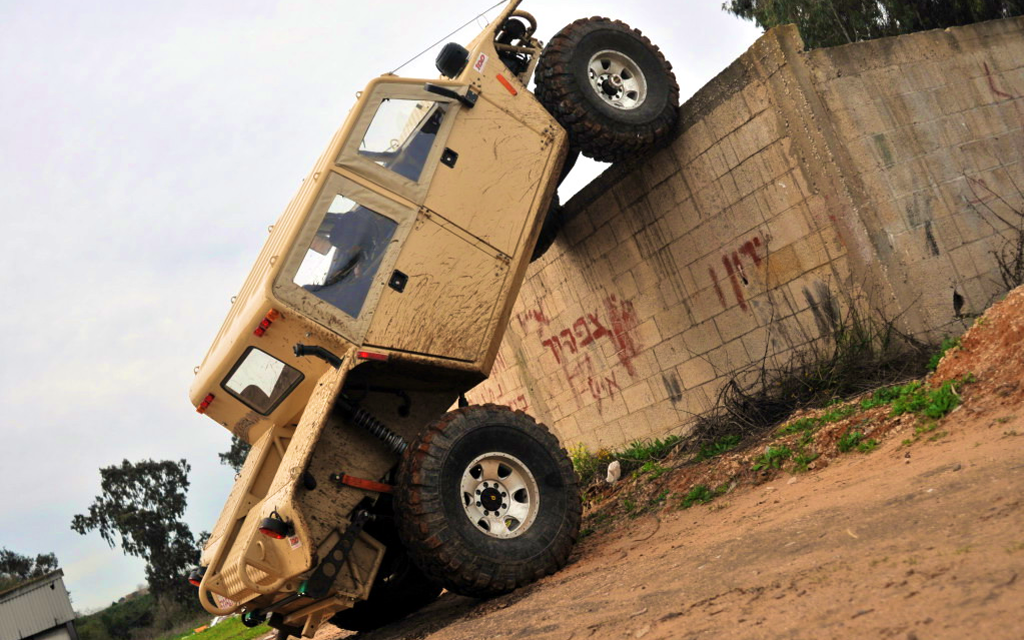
column 364, row 419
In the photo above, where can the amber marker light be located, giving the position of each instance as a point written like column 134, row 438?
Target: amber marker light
column 266, row 322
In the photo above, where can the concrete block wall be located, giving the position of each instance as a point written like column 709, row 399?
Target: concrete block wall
column 731, row 244
column 933, row 125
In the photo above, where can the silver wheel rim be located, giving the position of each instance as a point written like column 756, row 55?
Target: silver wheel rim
column 499, row 495
column 617, row 80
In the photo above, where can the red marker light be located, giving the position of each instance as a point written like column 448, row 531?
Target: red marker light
column 204, row 404
column 274, row 528
column 266, row 322
column 368, row 355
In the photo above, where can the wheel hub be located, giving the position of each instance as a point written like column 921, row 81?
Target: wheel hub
column 617, row 80
column 500, row 495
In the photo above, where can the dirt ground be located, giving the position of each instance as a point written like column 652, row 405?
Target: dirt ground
column 921, row 538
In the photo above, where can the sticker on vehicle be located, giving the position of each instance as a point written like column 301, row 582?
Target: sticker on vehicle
column 481, row 62
column 294, row 542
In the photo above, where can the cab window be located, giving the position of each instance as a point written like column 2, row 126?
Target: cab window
column 401, row 135
column 343, row 258
column 261, row 381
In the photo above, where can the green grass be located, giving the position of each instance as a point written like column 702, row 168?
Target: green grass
column 702, row 494
column 638, row 454
column 867, row 446
column 810, row 425
column 718, row 447
column 651, row 469
column 802, row 461
column 947, row 344
column 772, row 458
column 915, row 398
column 849, row 441
column 640, row 451
column 230, row 629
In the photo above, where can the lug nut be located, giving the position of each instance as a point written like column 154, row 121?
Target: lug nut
column 504, row 506
column 503, row 494
column 478, row 504
column 477, row 492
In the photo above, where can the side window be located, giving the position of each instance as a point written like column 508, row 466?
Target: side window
column 261, row 381
column 344, row 256
column 401, row 135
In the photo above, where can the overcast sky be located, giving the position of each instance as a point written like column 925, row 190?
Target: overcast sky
column 144, row 150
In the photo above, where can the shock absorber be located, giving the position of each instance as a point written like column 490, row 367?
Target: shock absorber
column 366, row 420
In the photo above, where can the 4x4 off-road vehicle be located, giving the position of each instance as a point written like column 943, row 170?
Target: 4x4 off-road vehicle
column 379, row 299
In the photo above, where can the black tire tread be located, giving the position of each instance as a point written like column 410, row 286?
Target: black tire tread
column 595, row 134
column 434, row 546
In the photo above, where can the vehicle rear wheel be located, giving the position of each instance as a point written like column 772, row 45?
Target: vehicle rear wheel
column 610, row 87
column 399, row 589
column 549, row 231
column 487, row 501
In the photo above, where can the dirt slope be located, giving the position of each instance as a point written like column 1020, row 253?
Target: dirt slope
column 921, row 539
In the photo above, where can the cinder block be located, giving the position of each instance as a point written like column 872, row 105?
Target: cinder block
column 664, row 418
column 695, row 372
column 625, row 285
column 694, row 142
column 634, row 427
column 671, row 352
column 659, row 167
column 638, row 397
column 758, row 98
column 734, row 322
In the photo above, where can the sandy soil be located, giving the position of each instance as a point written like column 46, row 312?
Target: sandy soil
column 914, row 540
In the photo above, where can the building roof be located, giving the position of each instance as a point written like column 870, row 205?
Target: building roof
column 34, row 606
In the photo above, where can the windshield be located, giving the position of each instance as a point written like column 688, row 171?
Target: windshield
column 343, row 258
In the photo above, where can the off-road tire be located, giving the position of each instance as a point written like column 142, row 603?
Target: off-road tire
column 433, row 521
column 399, row 589
column 408, row 591
column 601, row 131
column 549, row 231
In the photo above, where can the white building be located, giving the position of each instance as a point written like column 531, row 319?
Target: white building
column 39, row 609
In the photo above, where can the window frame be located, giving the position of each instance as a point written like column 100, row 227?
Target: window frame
column 238, row 363
column 397, row 89
column 322, row 312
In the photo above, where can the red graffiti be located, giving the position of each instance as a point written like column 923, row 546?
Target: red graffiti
column 718, row 288
column 589, row 328
column 735, row 270
column 532, row 317
column 736, row 289
column 499, row 364
column 570, row 349
column 583, row 379
column 992, row 85
column 624, row 324
column 749, row 249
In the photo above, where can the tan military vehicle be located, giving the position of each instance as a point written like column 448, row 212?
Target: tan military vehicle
column 379, row 299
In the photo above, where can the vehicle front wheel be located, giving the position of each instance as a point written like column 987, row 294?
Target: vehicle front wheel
column 487, row 501
column 609, row 87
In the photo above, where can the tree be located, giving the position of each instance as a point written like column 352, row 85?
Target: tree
column 16, row 568
column 142, row 504
column 235, row 456
column 826, row 23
